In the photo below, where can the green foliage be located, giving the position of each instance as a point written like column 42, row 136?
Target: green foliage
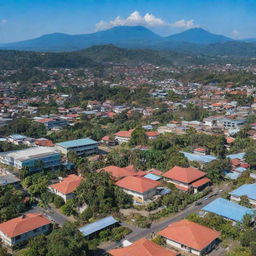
column 6, row 146
column 138, row 137
column 12, row 202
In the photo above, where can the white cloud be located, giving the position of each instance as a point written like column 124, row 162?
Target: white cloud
column 148, row 20
column 3, row 21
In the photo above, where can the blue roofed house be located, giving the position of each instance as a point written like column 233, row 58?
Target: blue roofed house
column 94, row 228
column 236, row 156
column 248, row 190
column 228, row 209
column 84, row 146
column 204, row 159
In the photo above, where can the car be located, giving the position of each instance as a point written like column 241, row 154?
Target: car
column 198, row 203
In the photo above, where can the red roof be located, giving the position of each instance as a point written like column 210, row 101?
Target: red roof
column 235, row 161
column 185, row 175
column 44, row 120
column 152, row 134
column 191, row 234
column 200, row 149
column 68, row 184
column 44, row 143
column 124, row 133
column 23, row 224
column 142, row 247
column 120, row 172
column 137, row 184
column 200, row 182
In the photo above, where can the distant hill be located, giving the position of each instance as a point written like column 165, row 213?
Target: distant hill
column 198, row 36
column 123, row 36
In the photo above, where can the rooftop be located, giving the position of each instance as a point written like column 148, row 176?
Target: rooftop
column 248, row 190
column 199, row 158
column 23, row 224
column 190, row 234
column 97, row 225
column 228, row 209
column 77, row 143
column 142, row 247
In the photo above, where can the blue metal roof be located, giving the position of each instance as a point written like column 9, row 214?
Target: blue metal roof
column 228, row 209
column 97, row 225
column 245, row 190
column 199, row 158
column 233, row 175
column 152, row 176
column 240, row 169
column 238, row 156
column 18, row 136
column 77, row 143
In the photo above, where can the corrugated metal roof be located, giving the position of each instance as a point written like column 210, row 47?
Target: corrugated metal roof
column 77, row 143
column 199, row 158
column 238, row 156
column 97, row 225
column 245, row 190
column 240, row 169
column 152, row 176
column 228, row 209
column 233, row 175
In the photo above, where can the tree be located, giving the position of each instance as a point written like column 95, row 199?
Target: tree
column 139, row 137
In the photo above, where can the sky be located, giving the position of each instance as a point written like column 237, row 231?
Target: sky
column 25, row 19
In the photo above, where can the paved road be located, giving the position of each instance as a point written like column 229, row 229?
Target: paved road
column 156, row 227
column 51, row 214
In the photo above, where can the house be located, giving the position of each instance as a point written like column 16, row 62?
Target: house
column 23, row 228
column 34, row 158
column 16, row 139
column 228, row 210
column 248, row 190
column 190, row 237
column 203, row 159
column 44, row 142
column 96, row 227
column 152, row 135
column 142, row 189
column 200, row 151
column 123, row 136
column 142, row 247
column 108, row 141
column 51, row 123
column 66, row 187
column 118, row 173
column 84, row 146
column 187, row 179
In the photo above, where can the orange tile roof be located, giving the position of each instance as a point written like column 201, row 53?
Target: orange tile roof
column 200, row 182
column 137, row 184
column 68, row 184
column 23, row 224
column 152, row 134
column 230, row 140
column 120, row 172
column 44, row 143
column 142, row 247
column 124, row 133
column 185, row 175
column 191, row 234
column 44, row 120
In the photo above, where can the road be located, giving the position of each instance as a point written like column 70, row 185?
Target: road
column 156, row 227
column 51, row 214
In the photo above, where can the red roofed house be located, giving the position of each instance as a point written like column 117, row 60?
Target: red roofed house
column 200, row 151
column 66, row 187
column 187, row 179
column 22, row 228
column 108, row 141
column 123, row 136
column 118, row 173
column 142, row 189
column 190, row 237
column 142, row 247
column 44, row 142
column 152, row 134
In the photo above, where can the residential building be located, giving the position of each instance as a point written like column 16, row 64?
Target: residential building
column 51, row 123
column 187, row 179
column 84, row 146
column 123, row 136
column 94, row 228
column 230, row 123
column 66, row 187
column 228, row 210
column 142, row 247
column 190, row 237
column 152, row 135
column 33, row 158
column 23, row 228
column 247, row 190
column 118, row 173
column 142, row 189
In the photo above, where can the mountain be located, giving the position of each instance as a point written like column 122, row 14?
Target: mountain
column 197, row 36
column 122, row 36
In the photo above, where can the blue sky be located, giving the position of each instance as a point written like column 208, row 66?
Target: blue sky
column 24, row 19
